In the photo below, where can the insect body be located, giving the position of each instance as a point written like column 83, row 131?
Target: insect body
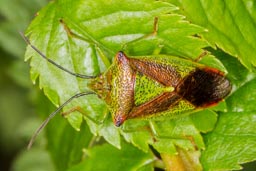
column 151, row 86
column 158, row 85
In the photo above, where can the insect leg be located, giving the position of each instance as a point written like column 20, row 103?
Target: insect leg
column 205, row 53
column 156, row 135
column 71, row 33
column 80, row 110
column 151, row 127
column 153, row 33
column 155, row 26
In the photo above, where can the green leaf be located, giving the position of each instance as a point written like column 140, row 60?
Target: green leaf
column 230, row 25
column 84, row 36
column 110, row 133
column 203, row 123
column 180, row 132
column 70, row 51
column 106, row 157
column 64, row 141
column 137, row 133
column 232, row 142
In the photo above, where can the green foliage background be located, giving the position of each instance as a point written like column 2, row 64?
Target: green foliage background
column 228, row 138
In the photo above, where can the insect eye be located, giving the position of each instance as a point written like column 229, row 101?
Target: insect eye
column 120, row 57
column 119, row 120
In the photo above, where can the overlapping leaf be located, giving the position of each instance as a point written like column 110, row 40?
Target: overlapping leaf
column 232, row 142
column 105, row 157
column 84, row 36
column 230, row 25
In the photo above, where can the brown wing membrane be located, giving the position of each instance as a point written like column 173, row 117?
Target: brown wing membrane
column 204, row 87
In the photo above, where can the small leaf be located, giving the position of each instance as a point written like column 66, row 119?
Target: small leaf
column 185, row 160
column 137, row 133
column 110, row 133
column 205, row 120
column 106, row 157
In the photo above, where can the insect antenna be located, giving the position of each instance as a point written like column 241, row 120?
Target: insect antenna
column 40, row 128
column 52, row 62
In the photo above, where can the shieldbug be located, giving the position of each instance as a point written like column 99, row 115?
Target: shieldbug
column 151, row 86
column 158, row 85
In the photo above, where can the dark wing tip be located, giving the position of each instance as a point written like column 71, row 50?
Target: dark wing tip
column 204, row 87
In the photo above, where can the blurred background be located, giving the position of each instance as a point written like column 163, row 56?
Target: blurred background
column 19, row 98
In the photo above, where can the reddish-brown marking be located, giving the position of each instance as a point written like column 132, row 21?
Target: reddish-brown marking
column 214, row 70
column 158, row 104
column 163, row 74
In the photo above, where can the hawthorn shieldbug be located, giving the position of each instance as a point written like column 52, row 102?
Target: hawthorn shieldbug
column 158, row 85
column 151, row 86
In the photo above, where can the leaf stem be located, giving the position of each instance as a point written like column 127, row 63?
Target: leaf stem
column 173, row 162
column 159, row 164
